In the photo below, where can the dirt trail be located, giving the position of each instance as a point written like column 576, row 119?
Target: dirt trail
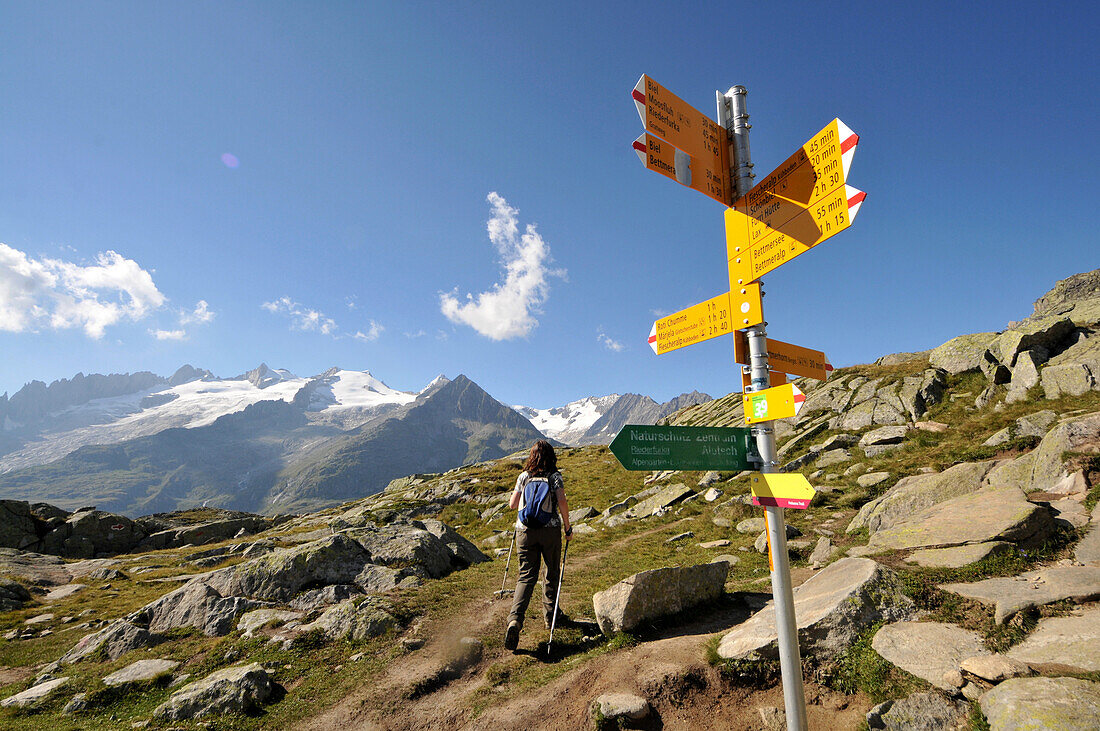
column 670, row 670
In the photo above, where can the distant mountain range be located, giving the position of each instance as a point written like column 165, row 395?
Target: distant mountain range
column 267, row 440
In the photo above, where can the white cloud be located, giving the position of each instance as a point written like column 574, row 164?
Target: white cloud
column 302, row 318
column 58, row 294
column 417, row 334
column 169, row 334
column 351, row 301
column 507, row 310
column 612, row 345
column 372, row 333
column 201, row 314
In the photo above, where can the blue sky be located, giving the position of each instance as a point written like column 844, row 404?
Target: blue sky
column 310, row 184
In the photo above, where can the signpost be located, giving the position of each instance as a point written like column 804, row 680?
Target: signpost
column 803, row 202
column 781, row 491
column 777, row 402
column 729, row 449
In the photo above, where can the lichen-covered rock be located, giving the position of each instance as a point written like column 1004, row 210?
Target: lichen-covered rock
column 325, row 596
column 1025, row 704
column 1011, row 594
column 1069, row 379
column 141, row 671
column 1073, row 435
column 919, row 712
column 33, row 696
column 358, row 618
column 831, row 609
column 278, row 576
column 198, row 605
column 918, row 492
column 963, row 353
column 114, row 640
column 657, row 593
column 463, row 552
column 1042, row 334
column 989, row 514
column 406, row 545
column 929, row 650
column 239, row 689
column 1071, row 642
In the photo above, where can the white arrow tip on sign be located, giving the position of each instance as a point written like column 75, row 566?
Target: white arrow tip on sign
column 639, row 147
column 653, row 338
column 639, row 97
column 848, row 142
column 799, row 398
column 855, row 200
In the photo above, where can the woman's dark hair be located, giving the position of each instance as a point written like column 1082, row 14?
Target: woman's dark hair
column 542, row 461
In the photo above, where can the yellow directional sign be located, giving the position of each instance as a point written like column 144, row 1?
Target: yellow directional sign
column 674, row 120
column 793, row 359
column 716, row 316
column 781, row 490
column 778, row 402
column 696, row 173
column 697, row 323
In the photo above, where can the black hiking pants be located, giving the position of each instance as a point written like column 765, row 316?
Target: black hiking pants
column 535, row 546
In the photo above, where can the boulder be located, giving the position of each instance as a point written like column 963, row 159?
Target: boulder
column 872, row 478
column 36, row 569
column 33, row 696
column 1073, row 435
column 17, row 525
column 88, row 533
column 657, row 593
column 239, row 689
column 1036, row 424
column 831, row 609
column 1024, row 704
column 708, row 479
column 822, row 552
column 1070, row 379
column 64, row 591
column 358, row 618
column 990, row 514
column 140, row 671
column 203, row 533
column 463, row 553
column 278, row 576
column 919, row 393
column 963, row 353
column 616, row 707
column 929, row 650
column 660, row 501
column 919, row 712
column 1071, row 642
column 1043, row 335
column 576, row 516
column 833, row 457
column 195, row 604
column 957, row 556
column 750, row 525
column 406, row 545
column 114, row 641
column 327, row 595
column 1032, row 589
column 13, row 595
column 884, row 435
column 258, row 618
column 915, row 493
column 761, row 543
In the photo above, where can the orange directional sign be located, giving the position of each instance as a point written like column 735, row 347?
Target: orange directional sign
column 803, row 202
column 778, row 402
column 781, row 490
column 669, row 117
column 793, row 359
column 697, row 323
column 695, row 173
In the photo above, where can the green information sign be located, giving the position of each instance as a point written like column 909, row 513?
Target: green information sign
column 729, row 449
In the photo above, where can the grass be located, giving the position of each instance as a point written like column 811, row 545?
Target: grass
column 861, row 669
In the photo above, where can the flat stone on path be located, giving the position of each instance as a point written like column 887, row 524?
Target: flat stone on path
column 615, row 706
column 140, row 671
column 994, row 668
column 1072, row 641
column 929, row 650
column 918, row 712
column 831, row 608
column 1032, row 589
column 957, row 556
column 1087, row 550
column 32, row 696
column 64, row 591
column 989, row 514
column 1029, row 704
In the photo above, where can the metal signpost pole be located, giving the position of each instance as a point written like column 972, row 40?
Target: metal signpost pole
column 733, row 115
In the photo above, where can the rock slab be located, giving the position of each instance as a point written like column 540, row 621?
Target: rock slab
column 239, row 689
column 929, row 650
column 1032, row 589
column 1028, row 704
column 918, row 712
column 33, row 696
column 831, row 608
column 1072, row 641
column 140, row 671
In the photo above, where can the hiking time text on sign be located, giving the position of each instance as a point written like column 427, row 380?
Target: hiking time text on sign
column 643, row 447
column 707, row 320
column 702, row 161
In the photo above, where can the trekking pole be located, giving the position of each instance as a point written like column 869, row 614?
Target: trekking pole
column 557, row 598
column 507, row 564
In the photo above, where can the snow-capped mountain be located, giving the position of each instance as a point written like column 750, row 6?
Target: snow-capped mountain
column 191, row 399
column 597, row 419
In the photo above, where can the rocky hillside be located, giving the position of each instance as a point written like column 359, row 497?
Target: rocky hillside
column 948, row 576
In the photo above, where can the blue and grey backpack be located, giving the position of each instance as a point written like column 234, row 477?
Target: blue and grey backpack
column 539, row 503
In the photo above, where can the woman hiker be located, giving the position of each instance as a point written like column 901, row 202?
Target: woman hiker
column 538, row 534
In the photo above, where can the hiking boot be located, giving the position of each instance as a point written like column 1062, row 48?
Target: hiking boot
column 563, row 620
column 511, row 637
